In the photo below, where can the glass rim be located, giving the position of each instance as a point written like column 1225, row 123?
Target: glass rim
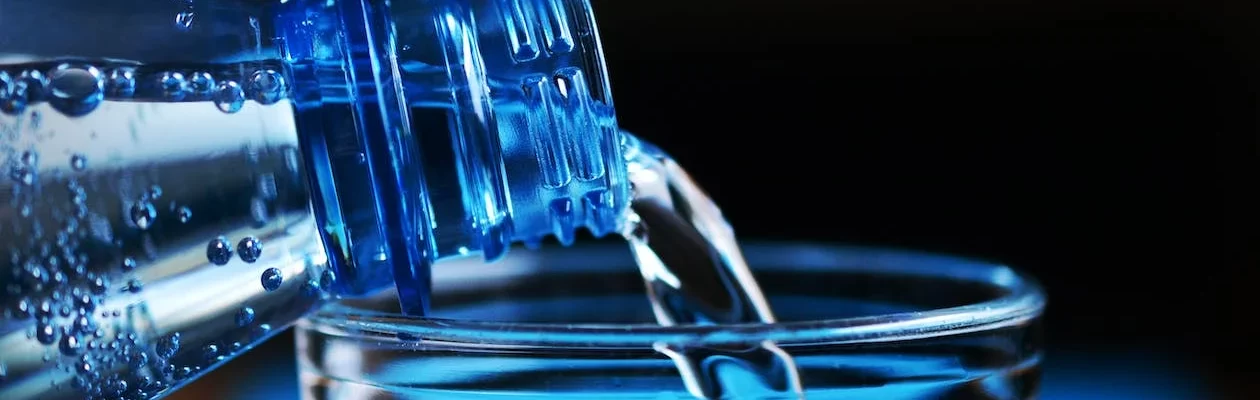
column 1021, row 301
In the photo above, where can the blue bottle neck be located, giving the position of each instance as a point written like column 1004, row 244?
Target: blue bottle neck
column 435, row 129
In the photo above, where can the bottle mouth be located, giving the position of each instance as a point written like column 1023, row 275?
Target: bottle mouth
column 438, row 129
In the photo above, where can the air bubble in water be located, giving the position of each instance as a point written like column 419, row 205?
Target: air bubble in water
column 121, row 82
column 267, row 86
column 99, row 285
column 128, row 264
column 249, row 249
column 184, row 214
column 46, row 333
column 184, row 20
column 143, row 214
column 76, row 90
column 244, row 316
column 167, row 346
column 134, row 286
column 154, row 192
column 78, row 162
column 173, row 85
column 7, row 84
column 70, row 345
column 229, row 97
column 271, row 279
column 210, row 351
column 21, row 90
column 219, row 251
column 23, row 308
column 201, row 83
column 22, row 175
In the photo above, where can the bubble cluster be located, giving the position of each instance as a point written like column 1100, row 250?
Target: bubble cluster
column 80, row 263
column 17, row 91
column 76, row 89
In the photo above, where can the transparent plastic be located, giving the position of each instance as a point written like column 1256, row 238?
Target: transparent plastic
column 188, row 177
column 440, row 128
column 859, row 323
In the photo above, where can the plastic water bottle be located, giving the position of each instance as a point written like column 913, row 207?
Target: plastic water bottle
column 187, row 177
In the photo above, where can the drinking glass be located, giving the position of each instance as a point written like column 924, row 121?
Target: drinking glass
column 857, row 322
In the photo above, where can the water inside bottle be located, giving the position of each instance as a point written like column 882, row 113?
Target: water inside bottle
column 156, row 220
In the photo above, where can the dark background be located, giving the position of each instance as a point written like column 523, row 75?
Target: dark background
column 1106, row 147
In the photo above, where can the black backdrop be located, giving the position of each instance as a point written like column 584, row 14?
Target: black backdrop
column 1106, row 146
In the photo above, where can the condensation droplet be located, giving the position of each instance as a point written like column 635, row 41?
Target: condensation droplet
column 229, row 97
column 201, row 84
column 271, row 279
column 249, row 249
column 219, row 251
column 267, row 86
column 173, row 85
column 76, row 90
column 121, row 82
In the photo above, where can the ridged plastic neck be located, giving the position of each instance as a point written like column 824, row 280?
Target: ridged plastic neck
column 443, row 128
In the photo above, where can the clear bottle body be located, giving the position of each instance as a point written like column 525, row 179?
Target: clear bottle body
column 187, row 178
column 155, row 215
